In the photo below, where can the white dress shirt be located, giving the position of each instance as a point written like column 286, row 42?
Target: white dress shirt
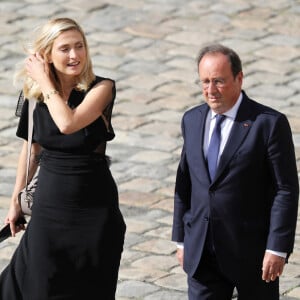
column 225, row 126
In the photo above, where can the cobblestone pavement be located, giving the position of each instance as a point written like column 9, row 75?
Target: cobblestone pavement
column 149, row 48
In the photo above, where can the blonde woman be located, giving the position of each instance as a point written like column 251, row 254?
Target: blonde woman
column 72, row 246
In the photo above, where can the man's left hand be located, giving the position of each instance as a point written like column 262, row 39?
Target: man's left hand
column 272, row 266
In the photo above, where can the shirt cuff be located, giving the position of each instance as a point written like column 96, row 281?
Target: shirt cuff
column 180, row 245
column 281, row 254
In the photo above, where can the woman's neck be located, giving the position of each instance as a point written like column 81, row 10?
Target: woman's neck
column 67, row 85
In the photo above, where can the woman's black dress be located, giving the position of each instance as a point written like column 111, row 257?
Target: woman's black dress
column 72, row 246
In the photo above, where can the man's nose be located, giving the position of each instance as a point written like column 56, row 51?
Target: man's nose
column 211, row 87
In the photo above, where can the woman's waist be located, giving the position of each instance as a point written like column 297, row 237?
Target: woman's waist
column 73, row 161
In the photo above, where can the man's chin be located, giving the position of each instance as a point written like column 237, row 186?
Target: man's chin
column 214, row 105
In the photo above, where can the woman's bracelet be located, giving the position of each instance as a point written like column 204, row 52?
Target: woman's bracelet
column 52, row 92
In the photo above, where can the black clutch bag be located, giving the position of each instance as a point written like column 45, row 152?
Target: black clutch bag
column 5, row 231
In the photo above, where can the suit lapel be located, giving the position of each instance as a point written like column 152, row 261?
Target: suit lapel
column 198, row 127
column 239, row 131
column 203, row 164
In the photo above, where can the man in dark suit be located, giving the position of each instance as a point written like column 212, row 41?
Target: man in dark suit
column 237, row 189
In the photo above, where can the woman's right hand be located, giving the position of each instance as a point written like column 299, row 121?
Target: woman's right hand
column 37, row 68
column 13, row 215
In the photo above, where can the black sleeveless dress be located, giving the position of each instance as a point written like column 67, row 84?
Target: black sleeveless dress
column 72, row 246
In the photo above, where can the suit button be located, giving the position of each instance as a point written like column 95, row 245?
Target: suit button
column 206, row 219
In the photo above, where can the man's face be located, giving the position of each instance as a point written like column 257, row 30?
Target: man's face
column 220, row 89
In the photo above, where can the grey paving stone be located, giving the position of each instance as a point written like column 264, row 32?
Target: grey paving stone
column 167, row 295
column 135, row 289
column 149, row 47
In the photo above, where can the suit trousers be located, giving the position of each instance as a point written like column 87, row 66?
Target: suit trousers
column 211, row 283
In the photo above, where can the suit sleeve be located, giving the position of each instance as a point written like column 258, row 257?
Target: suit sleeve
column 282, row 163
column 182, row 195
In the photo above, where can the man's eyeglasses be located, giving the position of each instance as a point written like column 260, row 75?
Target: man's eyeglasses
column 217, row 82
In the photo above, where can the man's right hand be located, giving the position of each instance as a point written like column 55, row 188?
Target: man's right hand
column 179, row 255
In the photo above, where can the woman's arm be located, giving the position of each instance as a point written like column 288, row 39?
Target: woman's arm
column 66, row 119
column 71, row 120
column 15, row 209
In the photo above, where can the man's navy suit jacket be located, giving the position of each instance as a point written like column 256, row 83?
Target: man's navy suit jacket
column 251, row 205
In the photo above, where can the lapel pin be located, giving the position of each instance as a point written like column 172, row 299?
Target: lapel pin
column 245, row 124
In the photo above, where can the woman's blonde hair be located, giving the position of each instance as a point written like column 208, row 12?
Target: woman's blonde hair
column 43, row 44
